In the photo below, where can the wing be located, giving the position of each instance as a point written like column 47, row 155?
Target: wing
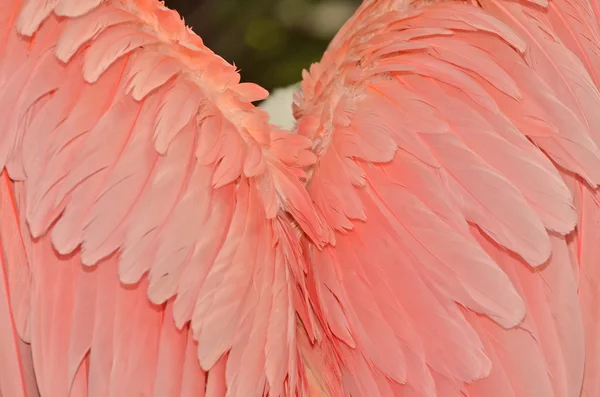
column 149, row 212
column 457, row 163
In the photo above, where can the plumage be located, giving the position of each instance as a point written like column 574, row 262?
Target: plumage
column 427, row 228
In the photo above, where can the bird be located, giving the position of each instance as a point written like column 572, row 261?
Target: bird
column 427, row 224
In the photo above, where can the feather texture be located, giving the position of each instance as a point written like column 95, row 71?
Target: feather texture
column 427, row 230
column 145, row 258
column 444, row 119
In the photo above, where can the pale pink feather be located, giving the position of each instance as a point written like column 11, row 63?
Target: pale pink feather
column 429, row 230
column 469, row 99
column 152, row 182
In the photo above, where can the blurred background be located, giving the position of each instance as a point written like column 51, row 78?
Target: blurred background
column 270, row 41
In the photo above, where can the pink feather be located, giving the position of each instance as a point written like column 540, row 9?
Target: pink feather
column 427, row 230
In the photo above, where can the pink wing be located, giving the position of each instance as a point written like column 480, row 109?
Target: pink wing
column 136, row 168
column 458, row 164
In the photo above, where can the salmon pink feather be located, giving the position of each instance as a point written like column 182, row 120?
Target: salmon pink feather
column 428, row 228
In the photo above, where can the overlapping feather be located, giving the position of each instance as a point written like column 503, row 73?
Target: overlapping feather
column 140, row 155
column 444, row 135
column 444, row 118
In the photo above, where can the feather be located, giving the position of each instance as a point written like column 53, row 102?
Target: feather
column 100, row 155
column 132, row 142
column 126, row 182
column 428, row 228
column 176, row 109
column 70, row 8
column 150, row 71
column 79, row 31
column 112, row 44
column 557, row 65
column 577, row 27
column 492, row 117
column 541, row 184
column 13, row 375
column 155, row 206
column 171, row 357
column 33, row 14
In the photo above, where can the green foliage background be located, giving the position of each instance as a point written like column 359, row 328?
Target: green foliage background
column 270, row 41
